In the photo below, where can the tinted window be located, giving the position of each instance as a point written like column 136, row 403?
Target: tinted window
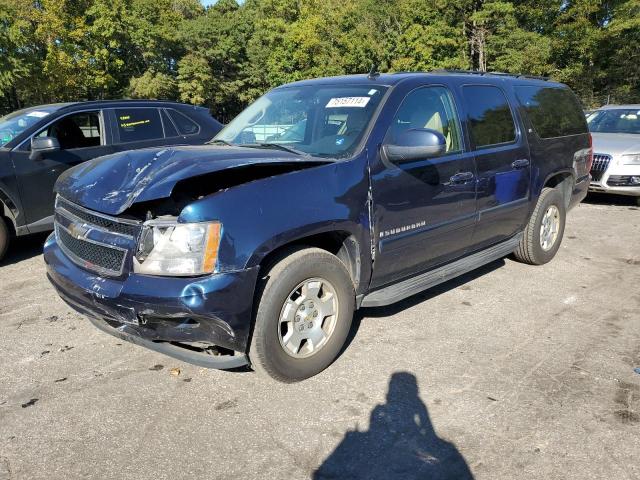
column 138, row 124
column 78, row 130
column 169, row 127
column 489, row 116
column 429, row 107
column 185, row 125
column 553, row 112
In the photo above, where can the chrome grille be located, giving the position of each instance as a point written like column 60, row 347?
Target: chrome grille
column 91, row 255
column 600, row 165
column 92, row 240
column 117, row 226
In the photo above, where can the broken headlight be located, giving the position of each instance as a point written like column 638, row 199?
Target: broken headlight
column 170, row 248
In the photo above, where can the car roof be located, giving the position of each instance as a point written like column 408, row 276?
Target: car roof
column 117, row 103
column 629, row 106
column 391, row 79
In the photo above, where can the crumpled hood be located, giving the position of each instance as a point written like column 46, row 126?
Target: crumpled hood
column 112, row 183
column 615, row 143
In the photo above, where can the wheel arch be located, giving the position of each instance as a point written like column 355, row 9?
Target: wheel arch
column 341, row 243
column 562, row 180
column 8, row 210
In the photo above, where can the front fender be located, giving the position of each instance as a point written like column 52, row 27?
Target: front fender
column 263, row 215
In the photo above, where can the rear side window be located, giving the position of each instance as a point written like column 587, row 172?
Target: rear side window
column 553, row 112
column 139, row 124
column 489, row 115
column 169, row 127
column 185, row 125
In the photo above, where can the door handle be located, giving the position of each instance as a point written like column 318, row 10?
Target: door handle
column 462, row 177
column 521, row 163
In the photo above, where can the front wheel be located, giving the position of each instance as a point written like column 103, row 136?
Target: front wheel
column 543, row 234
column 4, row 237
column 306, row 302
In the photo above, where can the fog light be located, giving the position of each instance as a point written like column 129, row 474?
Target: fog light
column 634, row 180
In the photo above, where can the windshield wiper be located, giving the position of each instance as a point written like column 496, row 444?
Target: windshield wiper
column 219, row 141
column 278, row 146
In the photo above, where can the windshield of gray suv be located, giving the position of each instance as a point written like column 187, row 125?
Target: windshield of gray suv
column 17, row 122
column 618, row 120
column 317, row 120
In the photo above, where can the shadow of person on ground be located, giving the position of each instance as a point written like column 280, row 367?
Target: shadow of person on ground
column 400, row 443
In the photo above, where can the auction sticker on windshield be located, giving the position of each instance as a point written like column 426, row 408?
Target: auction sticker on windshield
column 342, row 102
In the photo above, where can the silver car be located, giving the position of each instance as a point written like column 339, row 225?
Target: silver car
column 616, row 145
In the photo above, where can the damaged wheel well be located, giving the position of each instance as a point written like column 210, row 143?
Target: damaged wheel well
column 342, row 244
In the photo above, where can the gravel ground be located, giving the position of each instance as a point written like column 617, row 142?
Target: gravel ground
column 511, row 371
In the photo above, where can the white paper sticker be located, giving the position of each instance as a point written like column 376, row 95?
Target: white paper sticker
column 38, row 114
column 373, row 91
column 346, row 102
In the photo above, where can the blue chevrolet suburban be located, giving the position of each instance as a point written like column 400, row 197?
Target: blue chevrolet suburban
column 322, row 197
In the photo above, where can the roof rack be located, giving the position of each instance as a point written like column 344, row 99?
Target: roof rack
column 481, row 73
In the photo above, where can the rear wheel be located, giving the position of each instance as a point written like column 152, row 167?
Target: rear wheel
column 638, row 201
column 306, row 302
column 4, row 237
column 543, row 234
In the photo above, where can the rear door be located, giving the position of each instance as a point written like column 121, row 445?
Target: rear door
column 503, row 163
column 425, row 209
column 82, row 136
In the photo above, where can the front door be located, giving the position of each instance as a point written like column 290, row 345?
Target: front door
column 424, row 211
column 81, row 137
column 502, row 160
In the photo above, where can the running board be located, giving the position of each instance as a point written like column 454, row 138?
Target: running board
column 406, row 288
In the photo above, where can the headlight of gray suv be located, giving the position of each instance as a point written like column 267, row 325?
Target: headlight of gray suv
column 169, row 248
column 632, row 159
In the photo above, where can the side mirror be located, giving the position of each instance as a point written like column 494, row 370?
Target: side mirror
column 40, row 145
column 415, row 144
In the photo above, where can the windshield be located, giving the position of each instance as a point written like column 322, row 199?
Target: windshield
column 321, row 121
column 17, row 122
column 619, row 120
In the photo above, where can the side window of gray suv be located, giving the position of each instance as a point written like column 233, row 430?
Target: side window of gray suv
column 432, row 108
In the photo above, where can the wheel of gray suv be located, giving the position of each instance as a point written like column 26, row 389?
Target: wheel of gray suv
column 4, row 237
column 543, row 234
column 305, row 303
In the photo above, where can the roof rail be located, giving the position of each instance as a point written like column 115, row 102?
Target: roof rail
column 482, row 73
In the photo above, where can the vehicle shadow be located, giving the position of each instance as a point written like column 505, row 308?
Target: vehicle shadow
column 393, row 309
column 400, row 443
column 23, row 248
column 610, row 199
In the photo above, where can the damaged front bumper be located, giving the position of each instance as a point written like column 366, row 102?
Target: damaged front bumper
column 205, row 321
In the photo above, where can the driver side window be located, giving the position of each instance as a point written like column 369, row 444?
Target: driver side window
column 78, row 130
column 432, row 108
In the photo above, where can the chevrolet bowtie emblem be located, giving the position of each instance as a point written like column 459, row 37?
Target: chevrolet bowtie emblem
column 79, row 230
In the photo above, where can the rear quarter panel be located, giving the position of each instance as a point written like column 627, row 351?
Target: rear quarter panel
column 553, row 156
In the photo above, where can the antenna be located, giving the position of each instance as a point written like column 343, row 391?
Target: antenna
column 373, row 73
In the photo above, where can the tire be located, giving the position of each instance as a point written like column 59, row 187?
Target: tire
column 638, row 201
column 5, row 236
column 533, row 248
column 295, row 272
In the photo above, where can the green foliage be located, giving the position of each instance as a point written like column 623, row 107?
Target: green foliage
column 226, row 55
